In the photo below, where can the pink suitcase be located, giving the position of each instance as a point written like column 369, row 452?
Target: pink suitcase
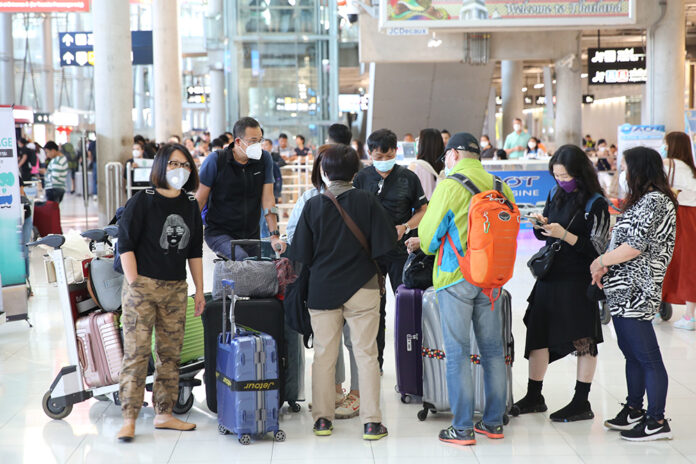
column 99, row 348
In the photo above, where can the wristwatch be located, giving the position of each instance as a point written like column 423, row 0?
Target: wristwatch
column 275, row 233
column 267, row 211
column 408, row 228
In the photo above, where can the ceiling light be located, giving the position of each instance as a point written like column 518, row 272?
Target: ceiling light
column 583, row 76
column 524, row 89
column 539, row 85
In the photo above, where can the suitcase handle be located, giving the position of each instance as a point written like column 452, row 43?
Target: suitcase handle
column 235, row 243
column 81, row 353
column 228, row 285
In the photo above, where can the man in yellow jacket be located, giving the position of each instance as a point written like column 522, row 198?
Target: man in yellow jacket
column 462, row 303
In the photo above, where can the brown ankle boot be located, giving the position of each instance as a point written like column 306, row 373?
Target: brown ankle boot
column 127, row 433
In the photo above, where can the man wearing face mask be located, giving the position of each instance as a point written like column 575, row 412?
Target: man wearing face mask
column 237, row 188
column 401, row 194
column 516, row 141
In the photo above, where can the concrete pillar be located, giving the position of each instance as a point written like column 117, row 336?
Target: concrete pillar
column 140, row 98
column 569, row 97
column 7, row 74
column 81, row 83
column 113, row 87
column 216, row 104
column 513, row 99
column 665, row 60
column 167, row 68
column 48, row 83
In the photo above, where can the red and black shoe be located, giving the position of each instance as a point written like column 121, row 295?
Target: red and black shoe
column 457, row 437
column 491, row 431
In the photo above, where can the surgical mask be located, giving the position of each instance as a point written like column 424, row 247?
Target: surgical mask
column 623, row 182
column 531, row 145
column 517, row 127
column 254, row 151
column 324, row 178
column 449, row 169
column 484, row 144
column 568, row 185
column 177, row 178
column 663, row 151
column 137, row 154
column 384, row 166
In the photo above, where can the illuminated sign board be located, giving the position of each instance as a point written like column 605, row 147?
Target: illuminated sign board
column 43, row 6
column 77, row 48
column 612, row 66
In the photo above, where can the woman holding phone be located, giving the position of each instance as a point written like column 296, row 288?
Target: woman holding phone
column 561, row 319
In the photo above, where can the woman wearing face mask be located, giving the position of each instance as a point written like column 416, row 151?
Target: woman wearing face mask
column 137, row 153
column 160, row 231
column 534, row 151
column 487, row 150
column 560, row 318
column 680, row 281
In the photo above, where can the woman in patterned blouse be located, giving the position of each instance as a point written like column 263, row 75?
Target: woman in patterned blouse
column 632, row 273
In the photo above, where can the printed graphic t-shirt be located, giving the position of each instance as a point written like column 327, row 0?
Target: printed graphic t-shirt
column 162, row 232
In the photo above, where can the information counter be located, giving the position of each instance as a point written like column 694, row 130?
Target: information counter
column 529, row 180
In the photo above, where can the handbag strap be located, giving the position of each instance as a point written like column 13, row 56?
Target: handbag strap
column 358, row 235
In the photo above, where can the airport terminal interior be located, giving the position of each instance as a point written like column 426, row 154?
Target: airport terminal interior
column 109, row 107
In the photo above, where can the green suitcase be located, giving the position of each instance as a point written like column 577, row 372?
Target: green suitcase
column 194, row 345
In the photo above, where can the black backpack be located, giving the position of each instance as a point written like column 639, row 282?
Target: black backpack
column 295, row 303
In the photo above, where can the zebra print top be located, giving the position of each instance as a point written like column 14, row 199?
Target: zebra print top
column 634, row 288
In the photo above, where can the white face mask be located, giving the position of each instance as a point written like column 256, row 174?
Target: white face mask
column 324, row 178
column 484, row 144
column 623, row 182
column 450, row 163
column 177, row 178
column 531, row 145
column 517, row 127
column 254, row 151
column 137, row 154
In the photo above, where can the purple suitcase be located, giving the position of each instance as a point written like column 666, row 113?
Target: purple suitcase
column 407, row 340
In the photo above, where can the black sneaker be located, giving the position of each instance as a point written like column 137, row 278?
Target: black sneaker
column 626, row 419
column 323, row 427
column 529, row 405
column 452, row 435
column 491, row 431
column 574, row 411
column 648, row 429
column 374, row 431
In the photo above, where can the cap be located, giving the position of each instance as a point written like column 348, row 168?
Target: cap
column 463, row 141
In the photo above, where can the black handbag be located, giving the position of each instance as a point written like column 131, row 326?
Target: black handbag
column 418, row 270
column 296, row 311
column 540, row 264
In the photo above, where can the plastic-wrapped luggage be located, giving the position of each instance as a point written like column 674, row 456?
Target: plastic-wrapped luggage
column 435, row 394
column 407, row 341
column 247, row 378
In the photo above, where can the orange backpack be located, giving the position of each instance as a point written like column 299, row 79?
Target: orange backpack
column 491, row 245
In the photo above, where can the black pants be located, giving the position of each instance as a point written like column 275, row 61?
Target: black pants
column 55, row 194
column 391, row 264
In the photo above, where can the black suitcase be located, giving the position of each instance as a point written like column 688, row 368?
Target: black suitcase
column 265, row 315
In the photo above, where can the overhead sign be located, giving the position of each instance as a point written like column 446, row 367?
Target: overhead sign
column 487, row 14
column 197, row 94
column 43, row 6
column 77, row 48
column 611, row 66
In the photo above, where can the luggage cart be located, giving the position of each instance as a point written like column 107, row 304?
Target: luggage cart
column 68, row 388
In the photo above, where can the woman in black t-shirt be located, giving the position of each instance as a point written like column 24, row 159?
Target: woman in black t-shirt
column 561, row 319
column 160, row 231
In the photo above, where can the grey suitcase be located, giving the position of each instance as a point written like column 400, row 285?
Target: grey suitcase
column 435, row 395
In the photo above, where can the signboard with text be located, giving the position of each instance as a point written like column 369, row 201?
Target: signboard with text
column 12, row 267
column 487, row 14
column 612, row 66
column 528, row 186
column 44, row 6
column 630, row 136
column 77, row 48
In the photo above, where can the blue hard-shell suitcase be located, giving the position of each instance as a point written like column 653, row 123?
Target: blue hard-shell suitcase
column 247, row 379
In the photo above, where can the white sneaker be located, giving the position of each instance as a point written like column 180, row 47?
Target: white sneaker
column 340, row 396
column 350, row 407
column 686, row 324
column 657, row 320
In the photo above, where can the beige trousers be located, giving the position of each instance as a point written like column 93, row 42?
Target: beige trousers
column 361, row 313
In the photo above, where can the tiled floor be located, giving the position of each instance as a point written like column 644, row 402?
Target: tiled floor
column 30, row 358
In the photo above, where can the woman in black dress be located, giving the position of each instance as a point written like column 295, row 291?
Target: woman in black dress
column 561, row 319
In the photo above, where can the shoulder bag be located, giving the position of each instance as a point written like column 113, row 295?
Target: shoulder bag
column 540, row 264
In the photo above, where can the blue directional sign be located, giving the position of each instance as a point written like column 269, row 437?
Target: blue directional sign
column 77, row 48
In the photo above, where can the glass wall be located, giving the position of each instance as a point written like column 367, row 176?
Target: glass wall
column 282, row 65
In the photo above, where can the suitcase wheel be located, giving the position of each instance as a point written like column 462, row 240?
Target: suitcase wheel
column 184, row 402
column 279, row 436
column 406, row 399
column 54, row 411
column 506, row 419
column 666, row 311
column 514, row 412
column 294, row 407
column 422, row 414
column 245, row 439
column 222, row 430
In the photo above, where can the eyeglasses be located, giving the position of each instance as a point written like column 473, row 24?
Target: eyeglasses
column 176, row 164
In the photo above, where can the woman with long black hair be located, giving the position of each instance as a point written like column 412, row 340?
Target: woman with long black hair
column 429, row 165
column 632, row 273
column 561, row 319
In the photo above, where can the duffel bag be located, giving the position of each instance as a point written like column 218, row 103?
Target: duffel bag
column 253, row 279
column 104, row 284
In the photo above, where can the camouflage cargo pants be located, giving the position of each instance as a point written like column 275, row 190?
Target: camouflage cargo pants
column 149, row 303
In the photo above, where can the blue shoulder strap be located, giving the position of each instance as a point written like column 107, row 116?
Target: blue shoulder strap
column 590, row 202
